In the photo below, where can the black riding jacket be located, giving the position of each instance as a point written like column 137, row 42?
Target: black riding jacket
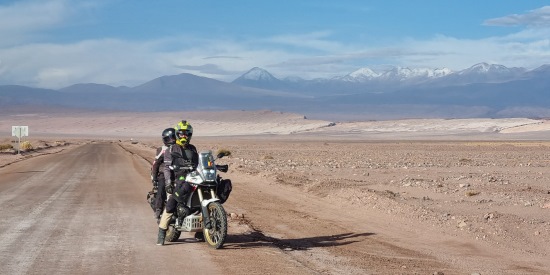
column 177, row 156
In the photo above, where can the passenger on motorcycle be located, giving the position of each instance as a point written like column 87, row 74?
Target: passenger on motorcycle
column 179, row 156
column 157, row 175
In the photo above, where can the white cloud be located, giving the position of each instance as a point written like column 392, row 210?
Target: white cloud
column 21, row 20
column 458, row 54
column 56, row 65
column 537, row 17
column 319, row 41
column 120, row 62
column 26, row 59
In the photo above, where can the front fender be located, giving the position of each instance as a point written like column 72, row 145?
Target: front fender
column 205, row 203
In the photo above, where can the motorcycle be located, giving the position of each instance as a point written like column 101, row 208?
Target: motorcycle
column 203, row 212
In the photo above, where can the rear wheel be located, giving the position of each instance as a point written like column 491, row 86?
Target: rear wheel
column 215, row 236
column 172, row 234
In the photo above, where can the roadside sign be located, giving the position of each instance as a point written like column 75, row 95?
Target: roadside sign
column 20, row 131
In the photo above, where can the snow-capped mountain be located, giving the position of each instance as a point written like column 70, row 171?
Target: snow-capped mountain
column 395, row 73
column 484, row 73
column 360, row 75
column 394, row 77
column 542, row 72
column 400, row 73
column 481, row 90
column 259, row 78
column 258, row 74
column 485, row 68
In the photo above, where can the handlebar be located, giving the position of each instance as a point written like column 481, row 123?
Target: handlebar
column 177, row 168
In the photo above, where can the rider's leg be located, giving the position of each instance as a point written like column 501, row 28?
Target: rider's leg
column 165, row 219
column 182, row 194
column 160, row 199
column 168, row 213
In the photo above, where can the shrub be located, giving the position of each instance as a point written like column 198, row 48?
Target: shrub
column 5, row 146
column 60, row 143
column 26, row 145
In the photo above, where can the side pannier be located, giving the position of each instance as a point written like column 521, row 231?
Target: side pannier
column 224, row 189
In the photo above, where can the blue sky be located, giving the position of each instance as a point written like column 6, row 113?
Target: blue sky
column 57, row 43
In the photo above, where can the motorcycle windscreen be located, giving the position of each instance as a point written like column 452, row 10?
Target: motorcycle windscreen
column 207, row 160
column 207, row 166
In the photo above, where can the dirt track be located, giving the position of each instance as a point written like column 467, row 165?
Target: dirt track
column 83, row 210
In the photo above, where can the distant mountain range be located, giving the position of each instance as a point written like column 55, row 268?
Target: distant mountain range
column 483, row 90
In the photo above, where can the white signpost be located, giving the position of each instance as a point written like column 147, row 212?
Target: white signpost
column 19, row 132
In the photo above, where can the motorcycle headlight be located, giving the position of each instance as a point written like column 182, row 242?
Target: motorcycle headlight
column 209, row 174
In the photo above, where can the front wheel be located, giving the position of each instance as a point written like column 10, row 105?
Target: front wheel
column 215, row 236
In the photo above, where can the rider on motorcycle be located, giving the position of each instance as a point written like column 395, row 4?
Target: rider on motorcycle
column 179, row 155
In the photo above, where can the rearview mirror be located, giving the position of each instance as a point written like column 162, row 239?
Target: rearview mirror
column 223, row 153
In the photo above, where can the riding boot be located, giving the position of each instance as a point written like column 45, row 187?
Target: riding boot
column 162, row 235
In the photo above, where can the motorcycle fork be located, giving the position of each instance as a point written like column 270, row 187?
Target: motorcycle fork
column 204, row 208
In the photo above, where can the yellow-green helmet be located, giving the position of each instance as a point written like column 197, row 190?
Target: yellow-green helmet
column 184, row 132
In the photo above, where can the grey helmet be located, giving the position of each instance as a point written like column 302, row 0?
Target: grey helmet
column 169, row 136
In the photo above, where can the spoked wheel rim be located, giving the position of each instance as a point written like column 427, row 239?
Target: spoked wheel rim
column 218, row 220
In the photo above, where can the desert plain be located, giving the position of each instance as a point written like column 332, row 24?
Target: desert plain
column 411, row 196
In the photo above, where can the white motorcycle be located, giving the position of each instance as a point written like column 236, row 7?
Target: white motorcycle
column 203, row 212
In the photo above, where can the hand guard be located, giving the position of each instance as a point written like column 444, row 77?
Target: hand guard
column 155, row 183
